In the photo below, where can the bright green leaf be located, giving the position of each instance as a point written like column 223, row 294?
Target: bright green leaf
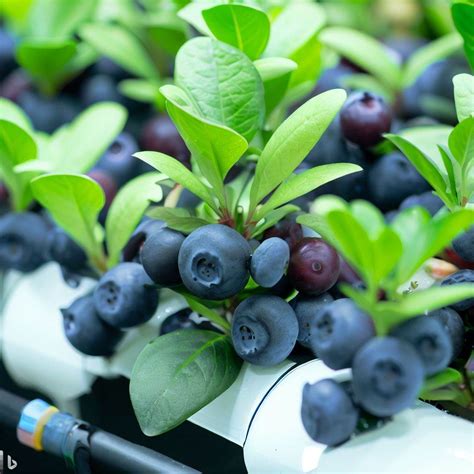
column 178, row 219
column 464, row 95
column 461, row 141
column 141, row 90
column 463, row 17
column 208, row 313
column 13, row 113
column 273, row 217
column 178, row 374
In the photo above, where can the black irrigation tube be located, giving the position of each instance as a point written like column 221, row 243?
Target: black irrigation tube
column 93, row 449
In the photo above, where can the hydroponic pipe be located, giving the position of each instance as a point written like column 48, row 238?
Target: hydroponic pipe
column 43, row 428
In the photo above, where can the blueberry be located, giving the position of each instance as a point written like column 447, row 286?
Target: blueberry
column 160, row 134
column 132, row 249
column 328, row 414
column 63, row 250
column 118, row 160
column 179, row 320
column 99, row 88
column 430, row 201
column 23, row 241
column 48, row 114
column 464, row 245
column 392, row 179
column 460, row 277
column 86, row 331
column 365, row 117
column 125, row 297
column 107, row 67
column 264, row 330
column 453, row 325
column 387, row 375
column 159, row 256
column 213, row 262
column 14, row 85
column 108, row 185
column 332, row 78
column 269, row 262
column 188, row 200
column 314, row 266
column 307, row 309
column 287, row 229
column 7, row 52
column 430, row 340
column 338, row 331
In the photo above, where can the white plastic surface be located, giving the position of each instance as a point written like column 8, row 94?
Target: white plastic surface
column 8, row 280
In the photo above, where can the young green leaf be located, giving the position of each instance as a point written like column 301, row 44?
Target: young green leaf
column 214, row 147
column 208, row 313
column 13, row 113
column 463, row 95
column 192, row 14
column 141, row 90
column 242, row 26
column 300, row 184
column 292, row 141
column 463, row 17
column 178, row 173
column 122, row 46
column 166, row 31
column 127, row 210
column 364, row 51
column 294, row 36
column 69, row 152
column 461, row 141
column 178, row 374
column 74, row 201
column 432, row 52
column 16, row 147
column 366, row 82
column 446, row 377
column 178, row 219
column 272, row 218
column 223, row 84
column 276, row 74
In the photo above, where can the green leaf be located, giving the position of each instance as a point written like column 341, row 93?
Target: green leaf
column 215, row 148
column 176, row 171
column 16, row 147
column 45, row 60
column 208, row 313
column 276, row 74
column 432, row 52
column 463, row 17
column 178, row 374
column 423, row 165
column 223, row 84
column 74, row 201
column 77, row 146
column 463, row 95
column 13, row 113
column 58, row 19
column 242, row 26
column 166, row 31
column 141, row 90
column 273, row 217
column 178, row 219
column 127, row 209
column 446, row 377
column 292, row 141
column 365, row 82
column 122, row 46
column 300, row 184
column 461, row 141
column 454, row 173
column 294, row 36
column 364, row 51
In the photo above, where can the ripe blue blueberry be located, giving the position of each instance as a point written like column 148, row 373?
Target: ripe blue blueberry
column 287, row 229
column 393, row 178
column 131, row 251
column 464, row 245
column 86, row 331
column 159, row 256
column 365, row 117
column 453, row 325
column 460, row 277
column 430, row 201
column 23, row 241
column 179, row 320
column 314, row 266
column 307, row 309
column 125, row 297
column 213, row 262
column 269, row 262
column 264, row 330
column 100, row 88
column 63, row 250
column 430, row 340
column 387, row 375
column 339, row 330
column 328, row 414
column 7, row 52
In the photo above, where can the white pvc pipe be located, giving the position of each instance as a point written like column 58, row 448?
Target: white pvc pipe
column 260, row 411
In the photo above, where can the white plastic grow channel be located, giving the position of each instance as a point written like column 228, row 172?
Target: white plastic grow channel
column 259, row 412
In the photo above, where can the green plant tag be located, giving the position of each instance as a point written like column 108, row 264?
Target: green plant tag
column 127, row 209
column 241, row 26
column 74, row 201
column 222, row 83
column 178, row 374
